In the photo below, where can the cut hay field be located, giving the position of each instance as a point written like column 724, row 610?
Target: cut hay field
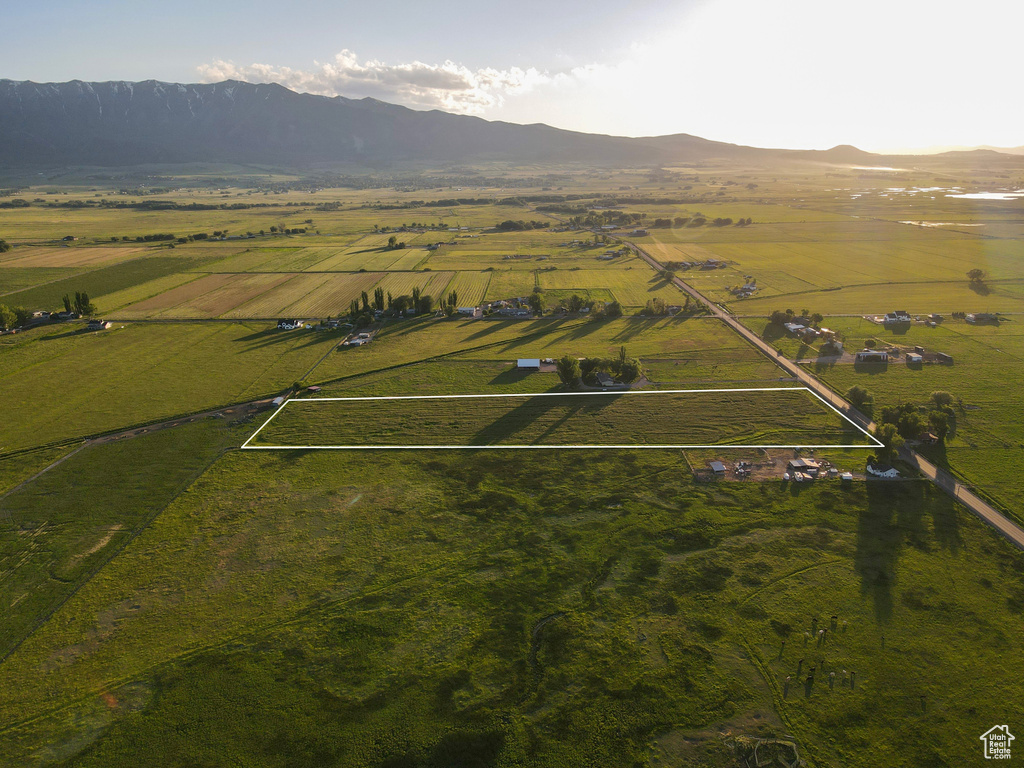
column 780, row 417
column 430, row 283
column 209, row 296
column 314, row 295
column 102, row 281
column 140, row 373
column 58, row 256
column 470, row 286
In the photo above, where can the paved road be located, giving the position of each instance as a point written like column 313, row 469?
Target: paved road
column 939, row 476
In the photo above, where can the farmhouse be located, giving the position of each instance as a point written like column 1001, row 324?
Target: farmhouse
column 883, row 470
column 896, row 317
column 528, row 364
column 872, row 356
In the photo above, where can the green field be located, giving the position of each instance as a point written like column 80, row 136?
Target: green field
column 169, row 599
column 73, row 384
column 781, row 418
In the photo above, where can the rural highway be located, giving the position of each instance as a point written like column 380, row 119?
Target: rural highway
column 939, row 476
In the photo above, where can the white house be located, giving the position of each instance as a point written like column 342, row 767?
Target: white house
column 883, row 470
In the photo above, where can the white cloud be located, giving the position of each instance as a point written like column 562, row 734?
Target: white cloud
column 448, row 86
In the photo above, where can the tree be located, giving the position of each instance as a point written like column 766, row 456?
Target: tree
column 568, row 370
column 4, row 246
column 613, row 309
column 816, row 319
column 536, row 303
column 939, row 422
column 941, row 399
column 7, row 317
column 67, row 303
column 366, row 301
column 392, row 242
column 353, row 309
column 425, row 305
column 890, row 439
column 976, row 275
column 630, row 370
column 22, row 315
column 859, row 396
column 378, row 299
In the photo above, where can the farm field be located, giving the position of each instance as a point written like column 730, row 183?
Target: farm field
column 631, row 287
column 142, row 372
column 482, row 585
column 167, row 595
column 782, row 418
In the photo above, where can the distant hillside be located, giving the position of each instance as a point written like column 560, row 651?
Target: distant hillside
column 122, row 123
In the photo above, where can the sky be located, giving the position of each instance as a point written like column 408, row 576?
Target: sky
column 898, row 75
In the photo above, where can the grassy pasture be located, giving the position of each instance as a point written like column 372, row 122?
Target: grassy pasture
column 140, row 373
column 452, row 607
column 14, row 279
column 783, row 417
column 985, row 445
column 632, row 287
column 879, row 298
column 96, row 501
column 510, row 283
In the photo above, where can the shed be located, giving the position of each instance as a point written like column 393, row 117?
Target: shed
column 278, row 402
column 528, row 364
column 717, row 467
column 914, row 358
column 872, row 356
column 942, row 357
column 846, row 477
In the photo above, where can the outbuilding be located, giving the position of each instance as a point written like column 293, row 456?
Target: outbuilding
column 883, row 470
column 914, row 359
column 717, row 467
column 528, row 364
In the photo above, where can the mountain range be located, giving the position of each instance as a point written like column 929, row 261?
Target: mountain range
column 124, row 123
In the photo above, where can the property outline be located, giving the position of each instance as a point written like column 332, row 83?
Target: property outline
column 873, row 441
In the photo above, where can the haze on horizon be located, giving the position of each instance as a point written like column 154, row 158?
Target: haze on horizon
column 884, row 76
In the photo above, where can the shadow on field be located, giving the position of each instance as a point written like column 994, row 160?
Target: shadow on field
column 506, row 426
column 870, row 368
column 893, row 517
column 635, row 327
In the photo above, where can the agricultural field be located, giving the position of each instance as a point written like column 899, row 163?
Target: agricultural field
column 166, row 594
column 631, row 287
column 481, row 586
column 80, row 384
column 779, row 418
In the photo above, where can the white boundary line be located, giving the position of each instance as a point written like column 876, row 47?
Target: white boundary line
column 874, row 443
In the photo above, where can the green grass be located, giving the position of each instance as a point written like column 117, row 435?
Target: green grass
column 14, row 279
column 72, row 383
column 96, row 501
column 785, row 417
column 476, row 609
